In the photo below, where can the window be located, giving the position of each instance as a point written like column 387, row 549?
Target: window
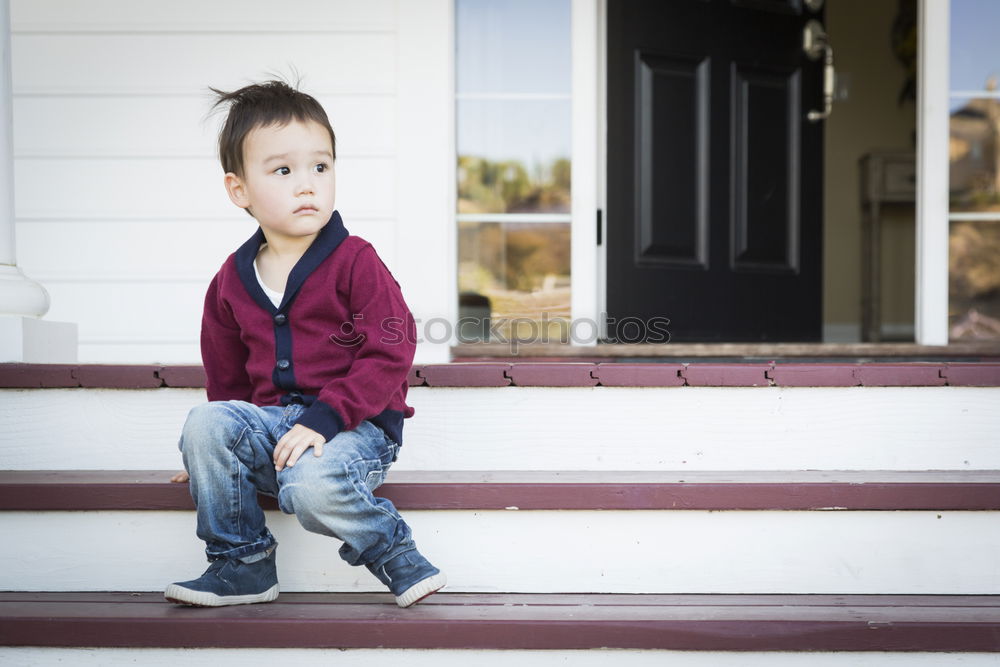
column 514, row 137
column 974, row 178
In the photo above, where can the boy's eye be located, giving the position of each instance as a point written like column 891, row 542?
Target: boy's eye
column 321, row 167
column 284, row 171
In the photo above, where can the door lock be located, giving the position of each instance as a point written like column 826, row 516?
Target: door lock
column 816, row 45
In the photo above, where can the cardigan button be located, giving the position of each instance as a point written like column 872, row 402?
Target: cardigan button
column 280, row 319
column 284, row 364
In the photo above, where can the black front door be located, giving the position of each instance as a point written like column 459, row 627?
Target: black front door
column 714, row 211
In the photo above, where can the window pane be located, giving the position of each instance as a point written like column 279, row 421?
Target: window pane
column 973, row 155
column 518, row 273
column 974, row 148
column 514, row 137
column 975, row 49
column 513, row 46
column 974, row 280
column 513, row 156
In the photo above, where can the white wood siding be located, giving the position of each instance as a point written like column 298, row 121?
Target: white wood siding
column 120, row 209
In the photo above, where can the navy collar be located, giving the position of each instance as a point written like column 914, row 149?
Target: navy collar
column 327, row 240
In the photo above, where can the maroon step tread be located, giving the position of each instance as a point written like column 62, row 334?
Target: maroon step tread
column 464, row 375
column 563, row 373
column 539, row 490
column 512, row 621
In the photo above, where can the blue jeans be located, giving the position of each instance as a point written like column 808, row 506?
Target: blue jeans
column 228, row 448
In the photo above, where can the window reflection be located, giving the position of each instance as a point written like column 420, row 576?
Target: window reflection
column 485, row 186
column 513, row 168
column 974, row 152
column 975, row 126
column 974, row 280
column 513, row 156
column 513, row 46
column 522, row 269
column 975, row 50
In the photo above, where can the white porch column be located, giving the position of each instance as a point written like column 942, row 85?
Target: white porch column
column 933, row 119
column 23, row 335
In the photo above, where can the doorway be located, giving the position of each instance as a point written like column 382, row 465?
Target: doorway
column 729, row 213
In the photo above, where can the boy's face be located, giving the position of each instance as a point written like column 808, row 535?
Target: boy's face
column 288, row 183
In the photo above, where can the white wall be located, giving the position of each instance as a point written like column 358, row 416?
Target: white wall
column 120, row 208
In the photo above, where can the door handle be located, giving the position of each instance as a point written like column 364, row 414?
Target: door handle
column 816, row 45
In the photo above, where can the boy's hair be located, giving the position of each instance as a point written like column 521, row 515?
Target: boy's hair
column 262, row 105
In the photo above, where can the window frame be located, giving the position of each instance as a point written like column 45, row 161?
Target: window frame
column 933, row 123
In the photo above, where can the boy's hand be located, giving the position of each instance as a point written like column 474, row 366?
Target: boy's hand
column 294, row 443
column 180, row 477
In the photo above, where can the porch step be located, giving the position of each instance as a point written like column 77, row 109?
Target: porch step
column 778, row 532
column 505, row 621
column 543, row 490
column 542, row 560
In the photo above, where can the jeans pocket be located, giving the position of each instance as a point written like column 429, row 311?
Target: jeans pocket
column 288, row 416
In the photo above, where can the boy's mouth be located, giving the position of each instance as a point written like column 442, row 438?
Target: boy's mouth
column 306, row 209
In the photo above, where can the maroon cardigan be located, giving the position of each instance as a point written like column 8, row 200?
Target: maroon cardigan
column 341, row 342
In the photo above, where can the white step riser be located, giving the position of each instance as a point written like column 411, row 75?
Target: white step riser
column 38, row 657
column 833, row 552
column 526, row 428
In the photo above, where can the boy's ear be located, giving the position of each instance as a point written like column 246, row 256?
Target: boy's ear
column 237, row 190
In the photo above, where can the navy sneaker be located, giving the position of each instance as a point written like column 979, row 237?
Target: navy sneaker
column 228, row 581
column 410, row 577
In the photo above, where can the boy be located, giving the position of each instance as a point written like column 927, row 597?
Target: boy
column 307, row 343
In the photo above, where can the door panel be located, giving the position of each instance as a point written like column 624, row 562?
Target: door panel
column 672, row 140
column 765, row 167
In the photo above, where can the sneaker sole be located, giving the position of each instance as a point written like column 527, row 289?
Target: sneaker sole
column 186, row 596
column 421, row 590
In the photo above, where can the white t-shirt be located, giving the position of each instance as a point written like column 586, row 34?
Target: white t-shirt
column 275, row 297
